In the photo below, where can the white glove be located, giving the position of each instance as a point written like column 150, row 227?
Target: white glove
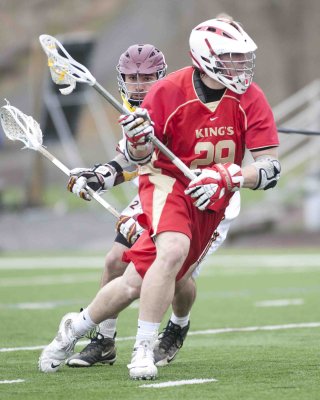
column 137, row 127
column 99, row 178
column 129, row 228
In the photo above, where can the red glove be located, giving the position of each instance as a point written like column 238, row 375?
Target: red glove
column 213, row 184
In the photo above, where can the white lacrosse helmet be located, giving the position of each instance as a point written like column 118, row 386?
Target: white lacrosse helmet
column 221, row 49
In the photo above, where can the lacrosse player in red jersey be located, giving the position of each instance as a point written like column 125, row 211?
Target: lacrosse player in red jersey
column 207, row 114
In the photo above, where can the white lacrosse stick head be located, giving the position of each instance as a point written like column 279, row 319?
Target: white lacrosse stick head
column 19, row 126
column 63, row 68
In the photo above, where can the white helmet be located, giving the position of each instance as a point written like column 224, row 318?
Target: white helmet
column 225, row 52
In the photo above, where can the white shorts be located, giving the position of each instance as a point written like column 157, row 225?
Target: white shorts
column 134, row 207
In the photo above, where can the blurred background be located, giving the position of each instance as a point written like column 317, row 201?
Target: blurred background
column 36, row 211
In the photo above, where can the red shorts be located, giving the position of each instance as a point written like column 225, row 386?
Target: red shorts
column 167, row 209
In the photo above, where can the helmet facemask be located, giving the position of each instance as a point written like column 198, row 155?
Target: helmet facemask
column 233, row 70
column 134, row 88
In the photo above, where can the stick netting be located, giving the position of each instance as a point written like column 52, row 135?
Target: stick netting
column 18, row 126
column 63, row 68
column 59, row 66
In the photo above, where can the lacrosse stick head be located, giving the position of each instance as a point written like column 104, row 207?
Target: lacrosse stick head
column 19, row 126
column 63, row 68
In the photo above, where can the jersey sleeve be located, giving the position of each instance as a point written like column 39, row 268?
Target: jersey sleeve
column 261, row 130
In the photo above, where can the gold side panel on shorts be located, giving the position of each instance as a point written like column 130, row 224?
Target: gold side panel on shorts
column 163, row 186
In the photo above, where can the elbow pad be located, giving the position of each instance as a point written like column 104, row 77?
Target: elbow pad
column 268, row 172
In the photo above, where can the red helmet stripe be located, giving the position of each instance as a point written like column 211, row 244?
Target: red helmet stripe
column 196, row 61
column 217, row 31
column 210, row 48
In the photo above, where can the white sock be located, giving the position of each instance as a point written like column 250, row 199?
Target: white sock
column 108, row 328
column 147, row 331
column 83, row 323
column 181, row 321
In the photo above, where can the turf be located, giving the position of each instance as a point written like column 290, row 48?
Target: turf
column 257, row 364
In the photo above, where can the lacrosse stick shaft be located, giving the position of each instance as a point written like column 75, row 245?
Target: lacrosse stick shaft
column 108, row 96
column 299, row 131
column 168, row 153
column 66, row 170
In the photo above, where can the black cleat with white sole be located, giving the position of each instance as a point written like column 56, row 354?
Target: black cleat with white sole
column 100, row 350
column 169, row 342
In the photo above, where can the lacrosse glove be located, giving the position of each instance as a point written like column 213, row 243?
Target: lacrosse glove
column 129, row 228
column 99, row 178
column 137, row 127
column 213, row 184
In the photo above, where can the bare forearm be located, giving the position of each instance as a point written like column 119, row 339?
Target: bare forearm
column 250, row 176
column 264, row 172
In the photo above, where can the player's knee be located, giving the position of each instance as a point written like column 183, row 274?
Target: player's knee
column 131, row 291
column 114, row 266
column 175, row 251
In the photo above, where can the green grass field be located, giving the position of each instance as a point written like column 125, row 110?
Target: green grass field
column 255, row 330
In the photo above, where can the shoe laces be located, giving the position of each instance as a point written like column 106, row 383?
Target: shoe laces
column 143, row 350
column 171, row 335
column 95, row 335
column 96, row 339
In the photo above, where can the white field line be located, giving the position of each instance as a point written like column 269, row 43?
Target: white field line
column 46, row 305
column 280, row 303
column 50, row 305
column 97, row 262
column 33, row 263
column 49, row 280
column 13, row 381
column 178, row 383
column 195, row 333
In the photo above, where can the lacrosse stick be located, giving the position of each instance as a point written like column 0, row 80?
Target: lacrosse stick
column 67, row 71
column 18, row 126
column 299, row 131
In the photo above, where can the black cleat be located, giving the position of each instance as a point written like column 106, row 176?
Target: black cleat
column 99, row 350
column 169, row 342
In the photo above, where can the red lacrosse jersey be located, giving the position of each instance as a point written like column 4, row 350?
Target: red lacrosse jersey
column 199, row 136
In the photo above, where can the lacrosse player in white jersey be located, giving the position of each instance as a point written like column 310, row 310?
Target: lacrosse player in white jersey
column 139, row 67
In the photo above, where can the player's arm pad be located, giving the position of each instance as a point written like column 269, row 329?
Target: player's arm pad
column 125, row 170
column 268, row 172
